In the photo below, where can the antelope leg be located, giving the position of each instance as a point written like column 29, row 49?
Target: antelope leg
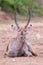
column 6, row 51
column 27, row 48
column 30, row 49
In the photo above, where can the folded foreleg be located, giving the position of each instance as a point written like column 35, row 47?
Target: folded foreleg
column 28, row 48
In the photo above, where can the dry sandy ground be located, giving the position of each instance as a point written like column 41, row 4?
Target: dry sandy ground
column 34, row 36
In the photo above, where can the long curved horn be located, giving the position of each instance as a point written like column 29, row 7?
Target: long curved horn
column 29, row 17
column 15, row 18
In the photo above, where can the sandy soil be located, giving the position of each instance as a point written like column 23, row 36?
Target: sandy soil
column 34, row 36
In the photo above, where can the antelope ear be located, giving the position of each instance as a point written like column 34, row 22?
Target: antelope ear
column 29, row 27
column 13, row 28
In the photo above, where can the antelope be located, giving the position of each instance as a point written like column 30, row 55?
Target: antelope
column 19, row 46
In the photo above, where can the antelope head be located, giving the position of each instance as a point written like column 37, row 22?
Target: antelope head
column 22, row 30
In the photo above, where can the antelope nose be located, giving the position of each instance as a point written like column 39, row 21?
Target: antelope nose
column 21, row 33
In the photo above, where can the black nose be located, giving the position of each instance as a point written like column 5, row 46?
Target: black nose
column 21, row 33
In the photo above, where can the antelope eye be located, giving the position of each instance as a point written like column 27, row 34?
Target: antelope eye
column 25, row 30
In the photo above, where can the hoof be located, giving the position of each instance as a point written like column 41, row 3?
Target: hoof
column 34, row 54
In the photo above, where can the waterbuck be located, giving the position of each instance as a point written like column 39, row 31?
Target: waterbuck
column 19, row 46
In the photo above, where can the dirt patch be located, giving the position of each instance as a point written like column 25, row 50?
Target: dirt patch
column 34, row 36
column 4, row 16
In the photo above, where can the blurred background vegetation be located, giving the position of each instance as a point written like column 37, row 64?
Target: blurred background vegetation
column 22, row 6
